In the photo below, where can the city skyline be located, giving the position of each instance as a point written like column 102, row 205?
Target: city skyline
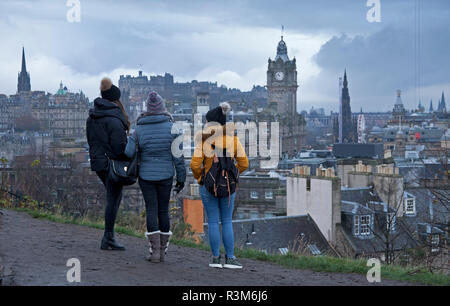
column 58, row 50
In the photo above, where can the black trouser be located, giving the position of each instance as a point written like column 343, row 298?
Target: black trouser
column 113, row 198
column 156, row 196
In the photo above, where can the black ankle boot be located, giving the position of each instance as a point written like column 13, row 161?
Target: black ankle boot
column 109, row 243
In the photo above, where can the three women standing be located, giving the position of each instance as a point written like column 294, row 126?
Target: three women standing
column 107, row 129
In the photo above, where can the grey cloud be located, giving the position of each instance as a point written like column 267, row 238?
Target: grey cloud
column 186, row 37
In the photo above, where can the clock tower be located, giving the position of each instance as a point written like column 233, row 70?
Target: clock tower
column 282, row 81
column 282, row 99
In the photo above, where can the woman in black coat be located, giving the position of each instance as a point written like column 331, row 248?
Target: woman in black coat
column 107, row 128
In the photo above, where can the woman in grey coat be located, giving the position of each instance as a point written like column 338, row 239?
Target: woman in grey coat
column 156, row 171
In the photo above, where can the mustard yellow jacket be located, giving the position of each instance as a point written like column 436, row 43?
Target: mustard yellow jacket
column 204, row 153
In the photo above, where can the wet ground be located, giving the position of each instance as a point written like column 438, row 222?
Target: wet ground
column 35, row 252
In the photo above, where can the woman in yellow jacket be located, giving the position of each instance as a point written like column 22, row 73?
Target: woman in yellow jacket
column 217, row 136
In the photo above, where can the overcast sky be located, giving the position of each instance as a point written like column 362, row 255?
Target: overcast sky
column 230, row 42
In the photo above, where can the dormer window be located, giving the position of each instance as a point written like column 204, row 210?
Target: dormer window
column 364, row 223
column 409, row 206
column 361, row 225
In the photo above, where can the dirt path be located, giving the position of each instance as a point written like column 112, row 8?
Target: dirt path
column 37, row 251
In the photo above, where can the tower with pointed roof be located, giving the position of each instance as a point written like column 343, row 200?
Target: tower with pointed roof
column 430, row 110
column 346, row 131
column 282, row 81
column 282, row 100
column 442, row 107
column 23, row 81
column 399, row 112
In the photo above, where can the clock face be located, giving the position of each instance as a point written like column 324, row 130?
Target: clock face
column 279, row 76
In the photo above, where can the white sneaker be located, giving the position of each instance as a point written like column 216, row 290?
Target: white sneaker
column 215, row 262
column 232, row 263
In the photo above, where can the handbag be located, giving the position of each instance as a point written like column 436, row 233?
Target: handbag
column 125, row 172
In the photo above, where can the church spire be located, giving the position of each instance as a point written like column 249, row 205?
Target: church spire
column 24, row 65
column 23, row 81
column 431, row 107
column 345, row 79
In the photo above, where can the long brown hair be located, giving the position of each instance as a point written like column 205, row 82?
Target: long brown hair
column 119, row 103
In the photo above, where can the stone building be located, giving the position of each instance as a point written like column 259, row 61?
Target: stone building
column 282, row 88
column 62, row 114
column 260, row 195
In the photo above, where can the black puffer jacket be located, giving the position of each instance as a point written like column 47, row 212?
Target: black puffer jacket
column 106, row 130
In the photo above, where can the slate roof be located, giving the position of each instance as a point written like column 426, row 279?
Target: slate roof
column 271, row 234
column 376, row 244
column 355, row 208
column 365, row 201
column 359, row 195
column 432, row 206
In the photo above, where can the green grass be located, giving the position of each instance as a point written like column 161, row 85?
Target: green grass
column 314, row 263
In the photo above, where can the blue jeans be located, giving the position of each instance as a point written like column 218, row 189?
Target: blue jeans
column 218, row 208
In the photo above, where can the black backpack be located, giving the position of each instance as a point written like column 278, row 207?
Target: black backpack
column 222, row 178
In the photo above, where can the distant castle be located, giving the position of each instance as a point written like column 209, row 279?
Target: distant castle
column 276, row 103
column 181, row 95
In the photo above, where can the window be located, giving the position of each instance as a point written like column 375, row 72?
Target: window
column 254, row 194
column 356, row 225
column 269, row 195
column 364, row 225
column 410, row 206
column 435, row 243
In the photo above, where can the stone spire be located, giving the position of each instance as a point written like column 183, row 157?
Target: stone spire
column 24, row 65
column 347, row 124
column 345, row 79
column 442, row 104
column 23, row 82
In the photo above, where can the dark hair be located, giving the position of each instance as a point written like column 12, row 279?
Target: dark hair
column 119, row 103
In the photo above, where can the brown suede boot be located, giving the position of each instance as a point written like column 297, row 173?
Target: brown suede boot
column 165, row 237
column 154, row 243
